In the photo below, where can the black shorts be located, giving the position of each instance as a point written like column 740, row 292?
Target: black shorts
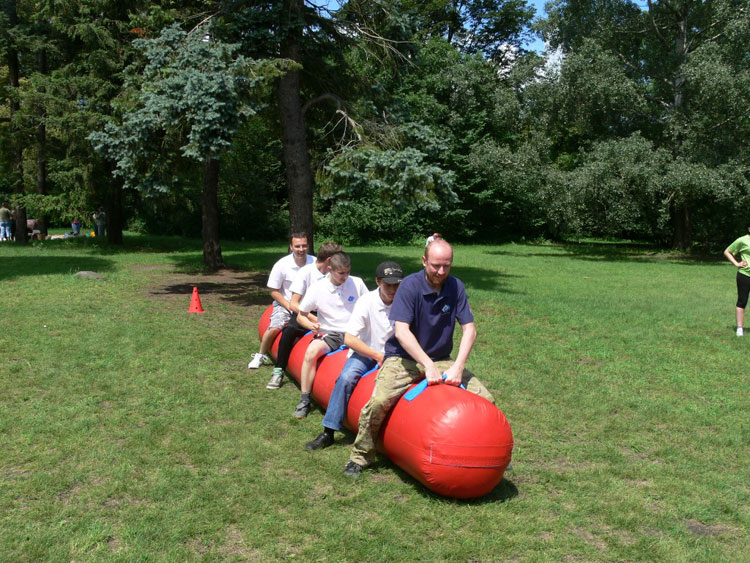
column 334, row 340
column 743, row 290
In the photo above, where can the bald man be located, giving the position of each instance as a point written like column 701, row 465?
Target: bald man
column 425, row 311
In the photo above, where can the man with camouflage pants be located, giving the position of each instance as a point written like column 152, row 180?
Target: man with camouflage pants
column 425, row 310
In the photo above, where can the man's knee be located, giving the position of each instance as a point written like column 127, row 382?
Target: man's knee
column 349, row 377
column 375, row 408
column 315, row 350
column 272, row 331
column 476, row 387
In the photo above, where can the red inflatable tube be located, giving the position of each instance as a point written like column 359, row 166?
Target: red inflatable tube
column 454, row 442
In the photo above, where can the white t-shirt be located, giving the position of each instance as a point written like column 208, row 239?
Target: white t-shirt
column 334, row 303
column 283, row 273
column 370, row 321
column 306, row 276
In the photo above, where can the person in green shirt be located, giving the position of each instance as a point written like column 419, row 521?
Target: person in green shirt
column 741, row 249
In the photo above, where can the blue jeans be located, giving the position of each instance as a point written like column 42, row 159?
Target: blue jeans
column 354, row 368
column 5, row 229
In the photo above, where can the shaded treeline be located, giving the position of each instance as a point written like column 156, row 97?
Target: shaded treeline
column 379, row 121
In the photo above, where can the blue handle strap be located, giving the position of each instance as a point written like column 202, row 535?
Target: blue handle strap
column 415, row 391
column 337, row 350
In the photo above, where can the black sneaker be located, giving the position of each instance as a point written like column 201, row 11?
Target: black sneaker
column 302, row 409
column 353, row 470
column 322, row 441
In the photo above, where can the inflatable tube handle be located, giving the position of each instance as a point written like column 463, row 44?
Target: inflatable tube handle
column 415, row 391
column 337, row 350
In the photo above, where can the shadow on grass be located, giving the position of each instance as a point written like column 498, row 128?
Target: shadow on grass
column 22, row 266
column 364, row 264
column 614, row 252
column 480, row 278
column 245, row 289
column 132, row 242
column 504, row 491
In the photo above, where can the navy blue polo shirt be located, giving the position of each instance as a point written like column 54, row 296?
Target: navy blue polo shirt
column 431, row 317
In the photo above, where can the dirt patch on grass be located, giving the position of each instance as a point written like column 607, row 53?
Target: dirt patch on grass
column 591, row 539
column 322, row 491
column 15, row 473
column 586, row 361
column 639, row 483
column 701, row 529
column 233, row 287
column 382, row 477
column 639, row 456
column 114, row 544
column 71, row 492
column 235, row 546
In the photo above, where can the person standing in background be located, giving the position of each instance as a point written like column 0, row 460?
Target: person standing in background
column 100, row 220
column 740, row 248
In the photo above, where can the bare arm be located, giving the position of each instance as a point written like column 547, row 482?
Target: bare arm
column 733, row 260
column 294, row 303
column 468, row 337
column 304, row 320
column 279, row 298
column 359, row 346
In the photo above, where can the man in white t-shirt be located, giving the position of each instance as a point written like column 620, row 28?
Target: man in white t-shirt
column 279, row 282
column 333, row 298
column 366, row 332
column 292, row 332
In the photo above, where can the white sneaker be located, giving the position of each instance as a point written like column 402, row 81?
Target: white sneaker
column 276, row 378
column 740, row 332
column 257, row 361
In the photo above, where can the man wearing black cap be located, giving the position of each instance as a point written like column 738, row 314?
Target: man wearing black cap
column 366, row 333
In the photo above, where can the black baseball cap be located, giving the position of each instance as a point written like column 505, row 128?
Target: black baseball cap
column 389, row 272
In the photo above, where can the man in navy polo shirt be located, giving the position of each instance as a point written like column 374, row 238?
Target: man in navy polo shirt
column 425, row 310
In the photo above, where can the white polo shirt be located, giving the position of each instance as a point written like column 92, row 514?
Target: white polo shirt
column 283, row 273
column 334, row 303
column 370, row 322
column 306, row 276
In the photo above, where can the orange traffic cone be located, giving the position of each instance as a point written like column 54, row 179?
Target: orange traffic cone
column 195, row 303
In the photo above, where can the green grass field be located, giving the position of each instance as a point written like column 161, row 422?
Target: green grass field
column 131, row 430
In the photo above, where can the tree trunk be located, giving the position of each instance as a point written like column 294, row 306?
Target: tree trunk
column 114, row 209
column 13, row 81
column 683, row 235
column 210, row 229
column 41, row 154
column 296, row 158
column 682, row 227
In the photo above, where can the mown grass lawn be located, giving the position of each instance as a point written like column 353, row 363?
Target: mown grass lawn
column 131, row 430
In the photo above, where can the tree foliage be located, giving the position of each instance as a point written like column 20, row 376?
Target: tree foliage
column 389, row 119
column 675, row 74
column 190, row 97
